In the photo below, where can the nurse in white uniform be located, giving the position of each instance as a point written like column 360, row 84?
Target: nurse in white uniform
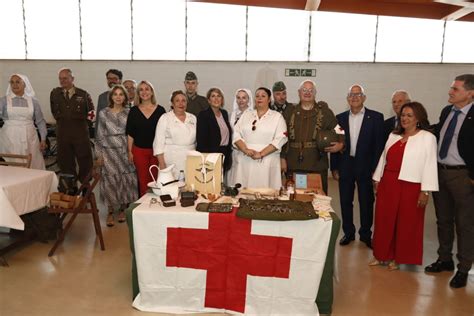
column 175, row 135
column 259, row 135
column 21, row 111
column 243, row 102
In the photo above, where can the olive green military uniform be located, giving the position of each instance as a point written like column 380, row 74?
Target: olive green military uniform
column 301, row 152
column 70, row 111
column 280, row 108
column 196, row 104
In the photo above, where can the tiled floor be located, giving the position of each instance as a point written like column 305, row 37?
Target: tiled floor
column 82, row 280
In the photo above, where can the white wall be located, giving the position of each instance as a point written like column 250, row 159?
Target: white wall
column 427, row 83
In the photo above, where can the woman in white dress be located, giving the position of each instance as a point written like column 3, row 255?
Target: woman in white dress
column 21, row 111
column 175, row 135
column 259, row 135
column 243, row 102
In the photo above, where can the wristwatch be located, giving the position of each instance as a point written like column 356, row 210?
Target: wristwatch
column 426, row 193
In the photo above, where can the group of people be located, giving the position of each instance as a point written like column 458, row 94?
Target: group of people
column 395, row 163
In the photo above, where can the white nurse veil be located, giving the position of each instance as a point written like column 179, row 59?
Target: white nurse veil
column 29, row 92
column 235, row 106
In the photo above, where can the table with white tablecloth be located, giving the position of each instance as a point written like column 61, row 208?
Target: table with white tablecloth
column 200, row 262
column 22, row 191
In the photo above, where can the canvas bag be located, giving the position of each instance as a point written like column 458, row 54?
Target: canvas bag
column 204, row 172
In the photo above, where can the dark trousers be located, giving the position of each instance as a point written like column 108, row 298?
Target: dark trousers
column 75, row 149
column 347, row 183
column 454, row 204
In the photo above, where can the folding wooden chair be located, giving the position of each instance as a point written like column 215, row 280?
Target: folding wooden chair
column 15, row 160
column 87, row 205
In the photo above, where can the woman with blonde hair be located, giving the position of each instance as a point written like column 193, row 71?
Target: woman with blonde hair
column 141, row 127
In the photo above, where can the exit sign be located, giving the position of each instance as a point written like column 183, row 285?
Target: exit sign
column 300, row 72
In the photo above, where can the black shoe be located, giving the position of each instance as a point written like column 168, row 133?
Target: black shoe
column 346, row 240
column 440, row 266
column 367, row 242
column 459, row 280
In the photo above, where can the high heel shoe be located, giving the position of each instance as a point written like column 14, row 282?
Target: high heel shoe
column 110, row 220
column 375, row 262
column 392, row 266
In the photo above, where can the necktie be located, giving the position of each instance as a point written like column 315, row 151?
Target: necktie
column 448, row 135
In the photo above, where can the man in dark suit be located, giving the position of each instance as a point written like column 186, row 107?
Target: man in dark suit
column 454, row 203
column 399, row 98
column 355, row 165
column 114, row 76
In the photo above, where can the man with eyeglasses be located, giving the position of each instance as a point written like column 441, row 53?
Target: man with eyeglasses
column 454, row 202
column 113, row 76
column 399, row 98
column 364, row 144
column 131, row 87
column 305, row 121
column 279, row 97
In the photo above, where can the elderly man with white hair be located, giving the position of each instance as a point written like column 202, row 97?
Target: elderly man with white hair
column 306, row 121
column 21, row 111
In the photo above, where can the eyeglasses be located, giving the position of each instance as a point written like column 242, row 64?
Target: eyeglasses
column 254, row 127
column 306, row 90
column 350, row 95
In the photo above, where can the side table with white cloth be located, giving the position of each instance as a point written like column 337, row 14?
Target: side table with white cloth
column 23, row 191
column 188, row 261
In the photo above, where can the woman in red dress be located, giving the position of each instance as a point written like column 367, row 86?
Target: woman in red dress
column 406, row 172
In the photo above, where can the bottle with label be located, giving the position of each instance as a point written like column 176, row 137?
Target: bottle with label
column 181, row 176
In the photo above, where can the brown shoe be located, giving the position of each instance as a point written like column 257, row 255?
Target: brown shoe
column 121, row 217
column 110, row 220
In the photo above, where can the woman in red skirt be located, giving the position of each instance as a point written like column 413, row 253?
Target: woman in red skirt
column 406, row 173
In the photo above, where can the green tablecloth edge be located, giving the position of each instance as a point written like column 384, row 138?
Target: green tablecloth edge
column 324, row 299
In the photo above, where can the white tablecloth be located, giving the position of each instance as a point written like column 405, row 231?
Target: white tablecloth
column 169, row 288
column 23, row 191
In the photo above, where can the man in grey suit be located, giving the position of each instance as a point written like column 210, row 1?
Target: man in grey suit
column 114, row 76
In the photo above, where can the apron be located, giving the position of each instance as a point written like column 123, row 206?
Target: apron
column 176, row 154
column 18, row 134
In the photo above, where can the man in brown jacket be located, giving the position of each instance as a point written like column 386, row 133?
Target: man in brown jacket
column 72, row 107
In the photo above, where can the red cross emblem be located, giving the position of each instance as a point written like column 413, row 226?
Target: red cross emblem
column 229, row 252
column 91, row 115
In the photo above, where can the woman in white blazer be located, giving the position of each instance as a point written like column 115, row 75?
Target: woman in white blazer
column 406, row 173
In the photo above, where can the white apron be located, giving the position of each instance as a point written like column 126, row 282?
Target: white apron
column 18, row 134
column 252, row 173
column 176, row 154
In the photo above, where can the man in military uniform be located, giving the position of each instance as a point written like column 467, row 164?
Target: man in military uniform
column 306, row 121
column 279, row 97
column 70, row 107
column 196, row 103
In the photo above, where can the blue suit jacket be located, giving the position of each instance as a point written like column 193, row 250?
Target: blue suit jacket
column 370, row 144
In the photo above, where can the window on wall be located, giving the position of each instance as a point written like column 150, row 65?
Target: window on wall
column 159, row 29
column 277, row 34
column 12, row 35
column 342, row 37
column 106, row 29
column 458, row 43
column 215, row 31
column 409, row 40
column 63, row 41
